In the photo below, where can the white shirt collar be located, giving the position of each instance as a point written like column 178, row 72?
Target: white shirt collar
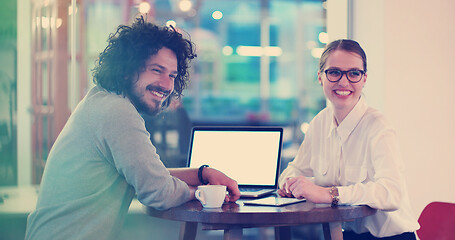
column 345, row 128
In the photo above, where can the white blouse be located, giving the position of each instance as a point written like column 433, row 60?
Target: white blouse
column 361, row 156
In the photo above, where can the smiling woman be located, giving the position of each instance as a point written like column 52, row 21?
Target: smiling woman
column 350, row 153
column 344, row 67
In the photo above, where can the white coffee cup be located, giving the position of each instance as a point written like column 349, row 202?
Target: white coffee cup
column 211, row 196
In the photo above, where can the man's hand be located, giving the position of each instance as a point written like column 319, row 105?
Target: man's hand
column 215, row 177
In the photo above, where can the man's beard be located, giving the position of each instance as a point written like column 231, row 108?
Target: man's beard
column 143, row 107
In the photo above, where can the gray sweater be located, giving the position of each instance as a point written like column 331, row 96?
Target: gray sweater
column 100, row 160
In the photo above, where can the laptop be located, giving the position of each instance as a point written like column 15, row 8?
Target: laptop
column 249, row 155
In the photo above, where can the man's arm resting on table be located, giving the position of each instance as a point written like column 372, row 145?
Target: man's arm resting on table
column 212, row 176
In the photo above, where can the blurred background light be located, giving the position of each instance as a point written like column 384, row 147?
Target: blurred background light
column 256, row 51
column 217, row 15
column 59, row 22
column 70, row 10
column 273, row 51
column 323, row 37
column 144, row 7
column 171, row 23
column 324, row 4
column 227, row 50
column 185, row 5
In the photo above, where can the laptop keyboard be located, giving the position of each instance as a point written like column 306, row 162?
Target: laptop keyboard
column 251, row 189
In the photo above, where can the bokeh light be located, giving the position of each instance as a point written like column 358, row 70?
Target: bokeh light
column 217, row 15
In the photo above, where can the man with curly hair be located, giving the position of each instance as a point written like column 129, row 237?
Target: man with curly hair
column 104, row 157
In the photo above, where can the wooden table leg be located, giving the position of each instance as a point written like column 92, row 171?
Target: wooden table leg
column 332, row 231
column 188, row 231
column 283, row 233
column 234, row 233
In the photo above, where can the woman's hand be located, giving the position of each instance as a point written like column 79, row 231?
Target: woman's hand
column 302, row 187
column 285, row 192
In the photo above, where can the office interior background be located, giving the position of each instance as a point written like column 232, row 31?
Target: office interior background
column 257, row 65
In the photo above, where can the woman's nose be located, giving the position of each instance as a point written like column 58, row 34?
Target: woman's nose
column 344, row 80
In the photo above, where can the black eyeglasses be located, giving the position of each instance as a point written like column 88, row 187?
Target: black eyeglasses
column 334, row 75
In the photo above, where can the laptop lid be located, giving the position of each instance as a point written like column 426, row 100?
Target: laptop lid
column 250, row 155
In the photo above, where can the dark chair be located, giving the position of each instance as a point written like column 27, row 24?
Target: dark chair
column 437, row 221
column 170, row 133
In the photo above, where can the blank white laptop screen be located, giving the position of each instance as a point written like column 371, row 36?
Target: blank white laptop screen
column 250, row 155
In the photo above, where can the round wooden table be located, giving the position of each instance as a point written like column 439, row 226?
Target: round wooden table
column 233, row 217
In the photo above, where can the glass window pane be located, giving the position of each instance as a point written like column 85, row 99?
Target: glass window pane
column 254, row 64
